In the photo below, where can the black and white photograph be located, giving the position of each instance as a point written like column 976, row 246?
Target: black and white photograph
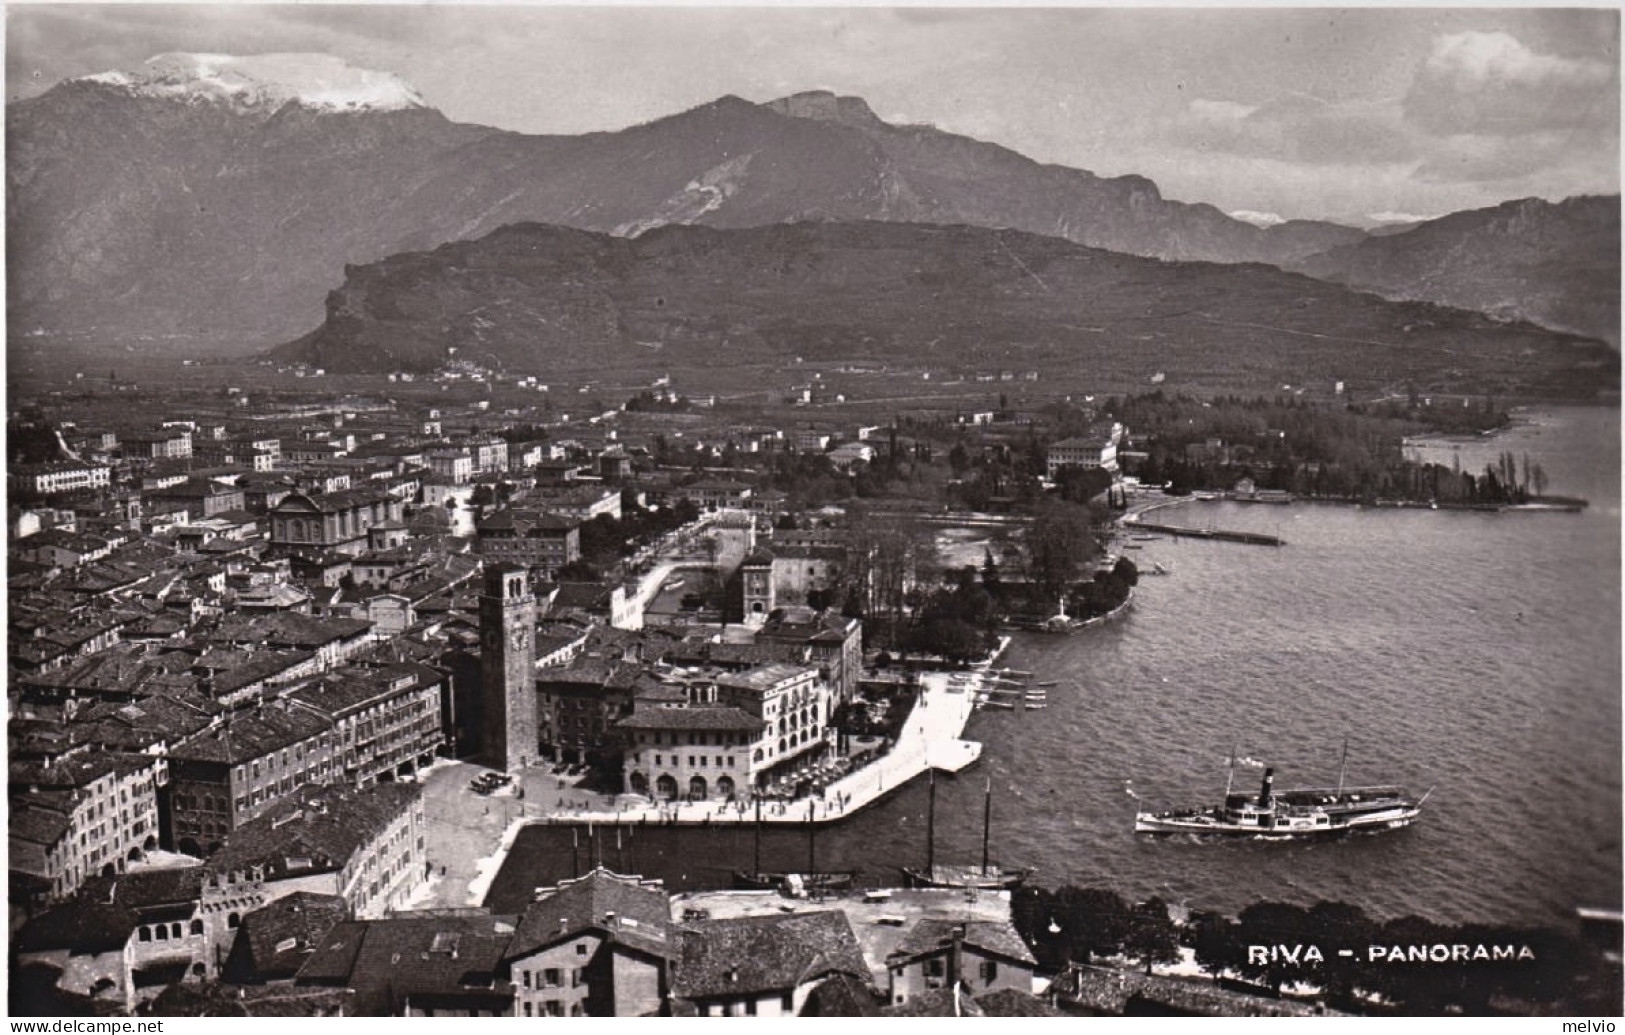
column 848, row 511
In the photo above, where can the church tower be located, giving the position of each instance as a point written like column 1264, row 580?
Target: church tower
column 756, row 584
column 507, row 668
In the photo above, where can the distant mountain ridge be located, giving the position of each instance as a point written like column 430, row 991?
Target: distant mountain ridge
column 1555, row 264
column 213, row 198
column 317, row 81
column 531, row 298
column 132, row 211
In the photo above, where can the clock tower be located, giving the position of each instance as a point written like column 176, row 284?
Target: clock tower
column 756, row 585
column 507, row 668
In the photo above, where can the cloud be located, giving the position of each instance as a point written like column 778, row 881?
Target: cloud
column 1397, row 217
column 1492, row 83
column 1298, row 128
column 1257, row 218
column 1474, row 58
column 1489, row 158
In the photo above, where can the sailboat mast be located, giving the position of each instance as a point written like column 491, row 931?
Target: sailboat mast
column 987, row 821
column 756, row 871
column 812, row 837
column 1232, row 777
column 1342, row 770
column 931, row 825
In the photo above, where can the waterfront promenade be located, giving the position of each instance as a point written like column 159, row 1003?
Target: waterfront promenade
column 930, row 739
column 469, row 835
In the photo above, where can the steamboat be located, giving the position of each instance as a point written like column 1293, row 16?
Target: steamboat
column 1296, row 813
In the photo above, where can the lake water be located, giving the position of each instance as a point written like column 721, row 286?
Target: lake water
column 1477, row 654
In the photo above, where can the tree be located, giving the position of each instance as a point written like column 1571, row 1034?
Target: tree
column 32, row 441
column 951, row 638
column 579, row 571
column 1415, row 988
column 1058, row 546
column 1093, row 921
column 685, row 512
column 1151, row 936
column 601, row 539
column 990, row 571
column 887, row 555
column 1272, row 923
column 1126, row 570
column 1333, row 925
column 1213, row 937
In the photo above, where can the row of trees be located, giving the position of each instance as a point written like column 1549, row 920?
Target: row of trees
column 1537, row 965
column 890, row 581
column 1080, row 925
column 1348, row 452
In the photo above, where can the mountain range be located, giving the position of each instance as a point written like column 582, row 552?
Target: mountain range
column 207, row 197
column 1553, row 264
column 536, row 298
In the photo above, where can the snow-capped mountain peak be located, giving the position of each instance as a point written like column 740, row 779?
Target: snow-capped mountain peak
column 318, row 81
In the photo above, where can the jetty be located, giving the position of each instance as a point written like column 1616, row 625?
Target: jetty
column 1135, row 522
column 1252, row 538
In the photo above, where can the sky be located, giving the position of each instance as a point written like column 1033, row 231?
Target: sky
column 1360, row 115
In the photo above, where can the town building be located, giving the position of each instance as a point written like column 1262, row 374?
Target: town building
column 490, row 455
column 711, row 494
column 366, row 846
column 336, row 521
column 599, row 946
column 163, row 444
column 1098, row 448
column 451, row 464
column 52, row 478
column 580, row 703
column 834, row 642
column 718, row 734
column 231, row 772
column 332, row 639
column 429, row 965
column 385, row 719
column 200, row 498
column 583, row 502
column 542, row 541
column 275, row 940
column 124, row 939
column 980, row 956
column 762, row 966
column 695, row 752
column 84, row 813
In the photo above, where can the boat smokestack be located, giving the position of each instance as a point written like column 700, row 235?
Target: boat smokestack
column 1264, row 791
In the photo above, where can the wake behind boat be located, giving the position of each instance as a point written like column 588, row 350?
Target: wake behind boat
column 1296, row 813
